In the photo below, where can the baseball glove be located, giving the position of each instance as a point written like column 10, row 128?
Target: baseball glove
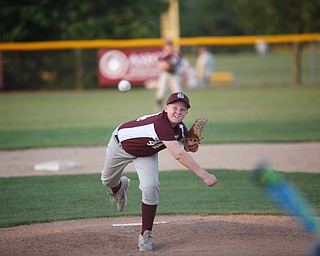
column 191, row 143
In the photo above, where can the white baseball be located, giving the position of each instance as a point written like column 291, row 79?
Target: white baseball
column 124, row 86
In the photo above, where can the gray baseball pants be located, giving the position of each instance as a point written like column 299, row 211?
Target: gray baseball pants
column 147, row 169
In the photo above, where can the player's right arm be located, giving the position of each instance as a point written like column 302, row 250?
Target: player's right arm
column 164, row 65
column 186, row 160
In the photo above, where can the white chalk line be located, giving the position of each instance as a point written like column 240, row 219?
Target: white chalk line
column 136, row 224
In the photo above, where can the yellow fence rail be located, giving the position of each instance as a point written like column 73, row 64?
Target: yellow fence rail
column 138, row 43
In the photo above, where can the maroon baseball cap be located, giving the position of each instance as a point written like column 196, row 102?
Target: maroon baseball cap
column 179, row 96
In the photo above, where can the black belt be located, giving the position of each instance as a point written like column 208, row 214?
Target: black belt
column 117, row 139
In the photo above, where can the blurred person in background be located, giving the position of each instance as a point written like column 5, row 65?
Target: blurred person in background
column 170, row 64
column 204, row 67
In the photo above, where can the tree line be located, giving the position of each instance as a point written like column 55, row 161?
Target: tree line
column 47, row 20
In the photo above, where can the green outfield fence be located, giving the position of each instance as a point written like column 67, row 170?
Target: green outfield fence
column 73, row 64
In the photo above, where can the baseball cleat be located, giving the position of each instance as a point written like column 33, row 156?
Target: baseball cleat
column 145, row 241
column 121, row 196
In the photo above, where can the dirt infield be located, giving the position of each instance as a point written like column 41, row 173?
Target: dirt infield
column 178, row 235
column 288, row 157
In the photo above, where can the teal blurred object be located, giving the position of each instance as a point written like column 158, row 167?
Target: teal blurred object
column 288, row 198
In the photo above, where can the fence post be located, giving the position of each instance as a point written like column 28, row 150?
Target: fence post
column 1, row 71
column 78, row 69
column 313, row 62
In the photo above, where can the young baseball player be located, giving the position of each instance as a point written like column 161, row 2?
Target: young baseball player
column 171, row 70
column 138, row 142
column 204, row 67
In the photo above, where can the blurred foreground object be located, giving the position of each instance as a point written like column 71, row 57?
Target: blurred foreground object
column 287, row 197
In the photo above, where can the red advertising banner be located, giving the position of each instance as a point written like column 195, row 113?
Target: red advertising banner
column 134, row 65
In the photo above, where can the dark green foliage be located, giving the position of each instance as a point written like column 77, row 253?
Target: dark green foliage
column 49, row 20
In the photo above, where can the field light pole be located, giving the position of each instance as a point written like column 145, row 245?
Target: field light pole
column 169, row 20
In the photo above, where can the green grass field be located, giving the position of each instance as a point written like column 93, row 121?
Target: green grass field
column 87, row 118
column 274, row 68
column 25, row 200
column 47, row 119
